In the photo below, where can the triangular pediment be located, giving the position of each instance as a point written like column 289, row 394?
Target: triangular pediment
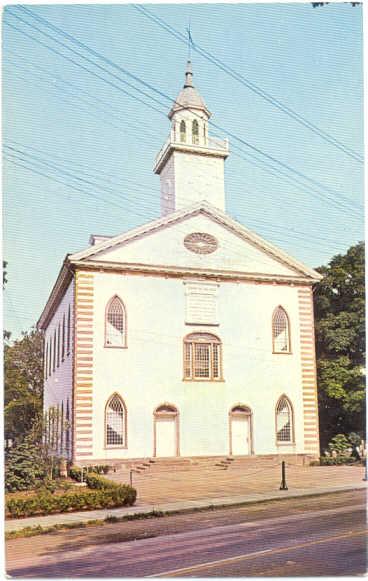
column 199, row 237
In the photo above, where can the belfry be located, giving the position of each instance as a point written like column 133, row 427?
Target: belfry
column 191, row 162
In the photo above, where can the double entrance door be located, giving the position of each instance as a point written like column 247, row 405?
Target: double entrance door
column 166, row 431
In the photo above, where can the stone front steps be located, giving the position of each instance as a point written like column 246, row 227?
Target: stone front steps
column 155, row 467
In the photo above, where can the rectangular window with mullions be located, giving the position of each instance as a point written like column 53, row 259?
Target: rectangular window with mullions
column 202, row 357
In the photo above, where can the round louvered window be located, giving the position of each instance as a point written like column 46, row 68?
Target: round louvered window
column 200, row 243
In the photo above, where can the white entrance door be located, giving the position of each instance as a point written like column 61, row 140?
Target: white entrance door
column 240, row 435
column 166, row 436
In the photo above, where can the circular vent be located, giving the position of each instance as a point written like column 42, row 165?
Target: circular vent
column 200, row 243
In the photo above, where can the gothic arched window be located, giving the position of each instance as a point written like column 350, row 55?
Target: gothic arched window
column 202, row 357
column 115, row 323
column 183, row 131
column 115, row 422
column 280, row 331
column 195, row 132
column 284, row 421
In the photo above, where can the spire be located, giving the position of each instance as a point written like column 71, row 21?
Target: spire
column 188, row 75
column 189, row 98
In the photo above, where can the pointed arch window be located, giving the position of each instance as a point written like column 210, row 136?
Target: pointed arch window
column 183, row 131
column 195, row 132
column 115, row 422
column 284, row 421
column 115, row 323
column 202, row 357
column 280, row 331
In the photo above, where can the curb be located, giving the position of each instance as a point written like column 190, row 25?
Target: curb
column 13, row 527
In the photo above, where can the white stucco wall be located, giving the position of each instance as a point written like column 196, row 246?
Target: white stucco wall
column 198, row 177
column 58, row 386
column 167, row 187
column 149, row 371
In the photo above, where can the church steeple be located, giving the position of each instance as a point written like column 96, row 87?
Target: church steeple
column 191, row 163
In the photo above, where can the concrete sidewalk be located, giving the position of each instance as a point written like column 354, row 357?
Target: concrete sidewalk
column 144, row 508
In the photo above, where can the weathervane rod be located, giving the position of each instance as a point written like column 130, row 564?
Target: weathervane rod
column 190, row 41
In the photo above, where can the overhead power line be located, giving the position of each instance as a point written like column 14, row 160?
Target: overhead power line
column 250, row 85
column 104, row 176
column 70, row 173
column 343, row 199
column 340, row 202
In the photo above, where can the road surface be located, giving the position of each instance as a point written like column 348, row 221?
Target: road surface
column 320, row 537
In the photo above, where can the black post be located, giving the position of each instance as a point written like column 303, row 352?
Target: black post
column 131, row 477
column 283, row 485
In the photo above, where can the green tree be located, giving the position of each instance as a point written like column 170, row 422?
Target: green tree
column 23, row 386
column 340, row 343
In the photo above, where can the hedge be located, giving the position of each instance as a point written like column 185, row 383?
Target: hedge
column 76, row 473
column 337, row 460
column 46, row 503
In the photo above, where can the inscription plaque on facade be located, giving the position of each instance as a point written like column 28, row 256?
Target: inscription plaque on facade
column 201, row 303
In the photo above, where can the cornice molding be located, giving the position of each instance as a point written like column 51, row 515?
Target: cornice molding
column 187, row 148
column 216, row 215
column 184, row 272
column 62, row 282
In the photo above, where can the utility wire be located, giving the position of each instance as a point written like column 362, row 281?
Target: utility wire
column 234, row 251
column 114, row 111
column 250, row 85
column 62, row 167
column 56, row 94
column 71, row 175
column 76, row 63
column 247, row 144
column 248, row 155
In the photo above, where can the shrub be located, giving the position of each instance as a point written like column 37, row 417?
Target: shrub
column 339, row 444
column 99, row 482
column 46, row 503
column 336, row 461
column 25, row 466
column 75, row 472
column 46, row 485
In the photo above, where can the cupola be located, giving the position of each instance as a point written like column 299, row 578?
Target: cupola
column 191, row 163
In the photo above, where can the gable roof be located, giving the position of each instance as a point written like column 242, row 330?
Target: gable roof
column 211, row 212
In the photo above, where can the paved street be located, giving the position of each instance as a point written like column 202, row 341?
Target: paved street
column 324, row 536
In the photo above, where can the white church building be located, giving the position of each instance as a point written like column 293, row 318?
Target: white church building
column 188, row 336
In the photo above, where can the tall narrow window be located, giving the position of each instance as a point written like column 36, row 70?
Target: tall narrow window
column 46, row 360
column 115, row 324
column 50, row 356
column 202, row 357
column 68, row 429
column 115, row 422
column 63, row 340
column 58, row 345
column 195, row 132
column 54, row 353
column 68, row 333
column 183, row 132
column 280, row 331
column 284, row 421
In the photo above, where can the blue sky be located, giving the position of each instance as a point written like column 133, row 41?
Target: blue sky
column 61, row 121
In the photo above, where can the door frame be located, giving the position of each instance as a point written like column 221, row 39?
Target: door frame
column 236, row 411
column 166, row 410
